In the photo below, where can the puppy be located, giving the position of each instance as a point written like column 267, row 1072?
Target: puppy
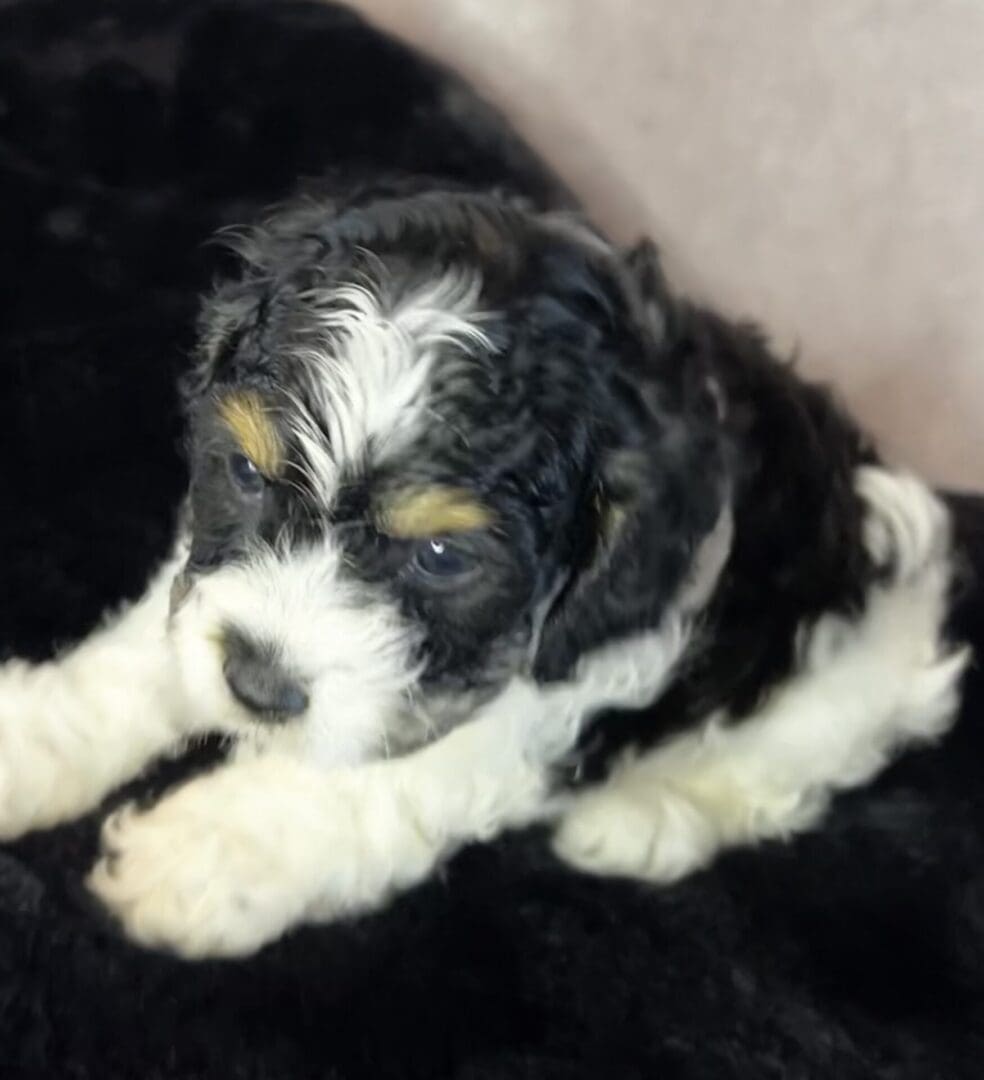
column 485, row 528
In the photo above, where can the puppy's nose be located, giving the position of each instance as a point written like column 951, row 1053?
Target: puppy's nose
column 258, row 681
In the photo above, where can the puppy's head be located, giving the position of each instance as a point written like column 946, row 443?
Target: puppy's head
column 436, row 441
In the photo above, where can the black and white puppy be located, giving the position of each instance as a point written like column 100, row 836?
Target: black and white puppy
column 485, row 528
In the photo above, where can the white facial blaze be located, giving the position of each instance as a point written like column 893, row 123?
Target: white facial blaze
column 370, row 367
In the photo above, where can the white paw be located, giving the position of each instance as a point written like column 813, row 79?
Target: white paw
column 235, row 858
column 220, row 868
column 660, row 838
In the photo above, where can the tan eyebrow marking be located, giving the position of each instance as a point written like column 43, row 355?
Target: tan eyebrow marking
column 246, row 416
column 422, row 512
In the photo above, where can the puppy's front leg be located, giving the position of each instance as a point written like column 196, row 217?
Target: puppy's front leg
column 75, row 727
column 236, row 857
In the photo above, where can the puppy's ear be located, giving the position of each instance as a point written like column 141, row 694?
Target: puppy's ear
column 658, row 486
column 653, row 511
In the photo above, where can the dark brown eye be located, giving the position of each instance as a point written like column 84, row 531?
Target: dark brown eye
column 245, row 474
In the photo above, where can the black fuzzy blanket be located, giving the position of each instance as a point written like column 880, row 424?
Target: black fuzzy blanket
column 129, row 130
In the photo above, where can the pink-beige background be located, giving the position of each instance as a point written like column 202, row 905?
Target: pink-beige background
column 815, row 164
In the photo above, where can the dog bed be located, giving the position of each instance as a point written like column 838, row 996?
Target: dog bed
column 129, row 131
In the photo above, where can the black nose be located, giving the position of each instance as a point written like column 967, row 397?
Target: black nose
column 258, row 681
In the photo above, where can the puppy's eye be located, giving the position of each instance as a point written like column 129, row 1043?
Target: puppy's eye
column 439, row 559
column 246, row 475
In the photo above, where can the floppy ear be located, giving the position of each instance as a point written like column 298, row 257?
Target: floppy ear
column 658, row 487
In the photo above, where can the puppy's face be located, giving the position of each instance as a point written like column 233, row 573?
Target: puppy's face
column 410, row 427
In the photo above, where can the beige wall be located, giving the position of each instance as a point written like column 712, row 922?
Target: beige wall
column 816, row 164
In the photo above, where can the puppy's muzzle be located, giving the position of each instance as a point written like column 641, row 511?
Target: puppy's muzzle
column 258, row 681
